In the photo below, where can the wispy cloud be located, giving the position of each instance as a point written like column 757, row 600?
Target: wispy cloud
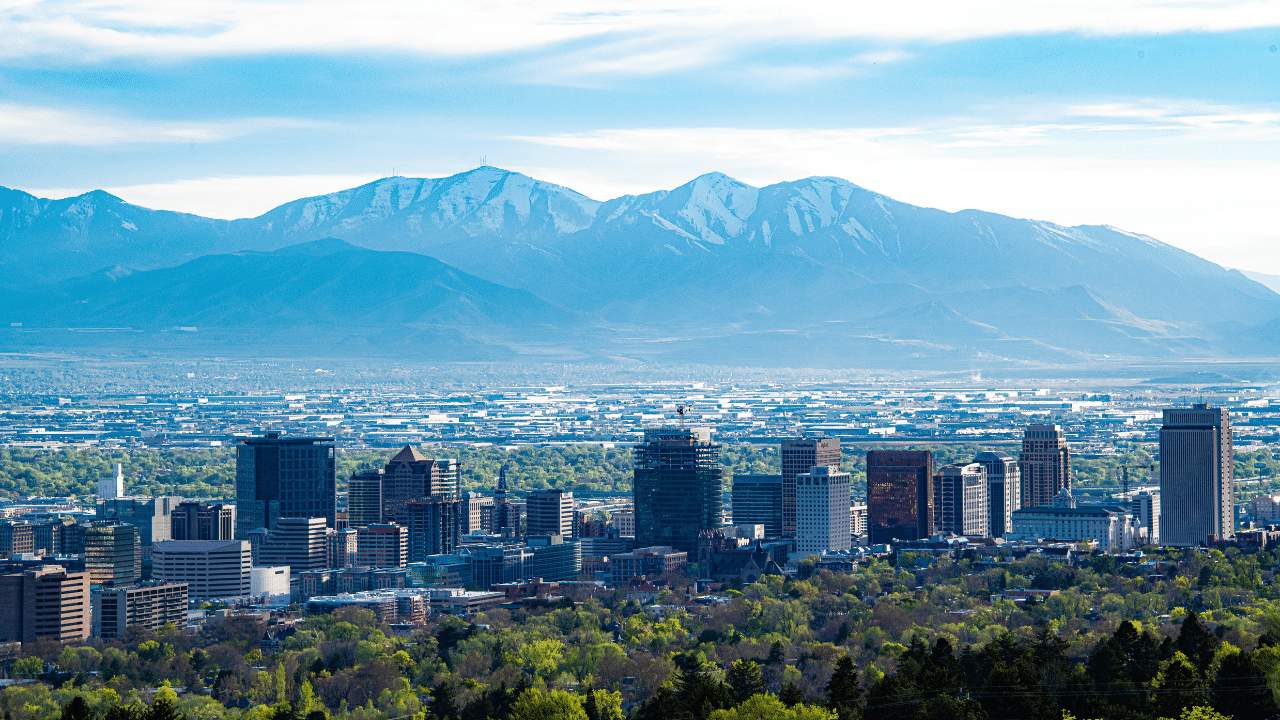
column 35, row 125
column 94, row 29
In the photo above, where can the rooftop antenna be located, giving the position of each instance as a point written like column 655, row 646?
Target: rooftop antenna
column 680, row 410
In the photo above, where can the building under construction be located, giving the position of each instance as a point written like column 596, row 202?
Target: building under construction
column 678, row 487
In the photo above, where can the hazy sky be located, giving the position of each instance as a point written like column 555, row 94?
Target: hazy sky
column 1161, row 117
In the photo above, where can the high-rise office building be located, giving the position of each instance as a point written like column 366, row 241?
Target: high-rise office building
column 299, row 543
column 342, row 546
column 899, row 495
column 757, row 500
column 150, row 605
column 1197, row 475
column 46, row 603
column 1004, row 489
column 382, row 546
column 822, row 510
column 434, row 527
column 476, row 514
column 678, row 485
column 410, row 475
column 279, row 477
column 1045, row 464
column 1146, row 514
column 153, row 516
column 112, row 554
column 549, row 512
column 112, row 486
column 194, row 520
column 960, row 504
column 364, row 499
column 16, row 538
column 210, row 569
column 798, row 455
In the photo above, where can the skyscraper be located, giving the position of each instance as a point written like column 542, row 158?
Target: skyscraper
column 279, row 477
column 194, row 520
column 1004, row 489
column 549, row 512
column 297, row 542
column 46, row 603
column 385, row 545
column 798, row 455
column 822, row 510
column 757, row 500
column 960, row 504
column 1045, row 464
column 153, row 516
column 899, row 495
column 112, row 487
column 364, row 499
column 434, row 527
column 112, row 554
column 1197, row 475
column 678, row 486
column 410, row 475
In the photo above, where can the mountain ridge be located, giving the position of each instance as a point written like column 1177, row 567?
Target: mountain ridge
column 715, row 256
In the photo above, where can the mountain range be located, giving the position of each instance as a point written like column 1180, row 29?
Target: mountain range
column 493, row 264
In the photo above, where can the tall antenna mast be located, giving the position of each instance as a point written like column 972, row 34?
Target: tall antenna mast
column 680, row 410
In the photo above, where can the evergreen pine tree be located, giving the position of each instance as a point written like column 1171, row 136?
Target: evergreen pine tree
column 77, row 709
column 777, row 653
column 1197, row 643
column 843, row 693
column 444, row 702
column 592, row 705
column 791, row 695
column 745, row 679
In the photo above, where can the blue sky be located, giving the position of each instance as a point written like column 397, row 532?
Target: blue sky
column 1156, row 117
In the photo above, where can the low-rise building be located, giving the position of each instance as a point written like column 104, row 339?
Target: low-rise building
column 149, row 605
column 1112, row 527
column 210, row 568
column 646, row 562
column 271, row 583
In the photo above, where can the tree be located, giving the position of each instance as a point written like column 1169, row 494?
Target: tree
column 791, row 695
column 1236, row 689
column 534, row 704
column 777, row 653
column 444, row 703
column 77, row 709
column 28, row 667
column 1179, row 685
column 162, row 709
column 1197, row 643
column 769, row 707
column 745, row 679
column 843, row 692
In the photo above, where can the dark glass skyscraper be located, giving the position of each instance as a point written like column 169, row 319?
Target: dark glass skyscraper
column 899, row 495
column 757, row 500
column 798, row 455
column 678, row 487
column 364, row 499
column 283, row 477
column 1197, row 475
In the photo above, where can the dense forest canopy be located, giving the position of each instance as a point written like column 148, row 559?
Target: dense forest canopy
column 906, row 636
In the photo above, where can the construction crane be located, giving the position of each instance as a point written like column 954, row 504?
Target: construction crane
column 1125, row 469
